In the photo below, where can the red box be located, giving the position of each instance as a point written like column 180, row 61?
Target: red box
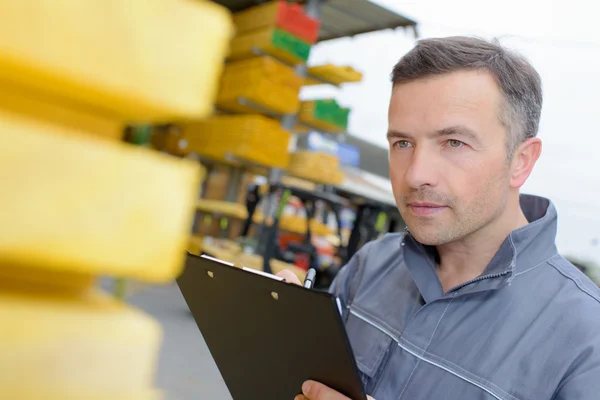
column 291, row 18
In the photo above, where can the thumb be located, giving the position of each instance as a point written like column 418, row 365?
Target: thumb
column 317, row 391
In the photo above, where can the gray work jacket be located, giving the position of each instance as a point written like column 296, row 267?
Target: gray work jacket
column 527, row 328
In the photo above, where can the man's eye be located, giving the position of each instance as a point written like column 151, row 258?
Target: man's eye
column 403, row 144
column 455, row 143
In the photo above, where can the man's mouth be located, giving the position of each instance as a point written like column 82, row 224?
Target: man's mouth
column 424, row 208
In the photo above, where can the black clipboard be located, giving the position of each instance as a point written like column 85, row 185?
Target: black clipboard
column 267, row 337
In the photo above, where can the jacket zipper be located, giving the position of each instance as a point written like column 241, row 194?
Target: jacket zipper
column 480, row 278
column 384, row 330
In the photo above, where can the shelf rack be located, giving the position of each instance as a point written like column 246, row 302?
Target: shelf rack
column 341, row 18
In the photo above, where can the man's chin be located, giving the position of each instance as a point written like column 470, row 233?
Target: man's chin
column 427, row 238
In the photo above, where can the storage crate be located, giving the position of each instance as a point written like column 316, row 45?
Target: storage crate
column 334, row 74
column 253, row 92
column 276, row 42
column 149, row 61
column 253, row 138
column 287, row 16
column 257, row 68
column 324, row 114
column 316, row 159
column 316, row 166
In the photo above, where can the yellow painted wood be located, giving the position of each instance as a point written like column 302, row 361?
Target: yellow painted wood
column 75, row 204
column 40, row 393
column 23, row 278
column 254, row 138
column 60, row 344
column 224, row 208
column 142, row 61
column 74, row 117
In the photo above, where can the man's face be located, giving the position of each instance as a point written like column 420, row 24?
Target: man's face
column 448, row 164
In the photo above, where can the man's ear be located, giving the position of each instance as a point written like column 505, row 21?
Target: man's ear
column 523, row 161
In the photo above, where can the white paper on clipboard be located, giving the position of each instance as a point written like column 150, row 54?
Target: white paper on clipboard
column 267, row 275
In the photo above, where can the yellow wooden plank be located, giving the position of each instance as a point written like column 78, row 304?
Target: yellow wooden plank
column 89, row 345
column 41, row 393
column 76, row 204
column 223, row 208
column 143, row 60
column 74, row 117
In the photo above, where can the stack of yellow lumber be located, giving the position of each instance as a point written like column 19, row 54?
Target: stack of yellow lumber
column 278, row 28
column 316, row 166
column 92, row 65
column 324, row 114
column 253, row 138
column 259, row 83
column 335, row 74
column 73, row 207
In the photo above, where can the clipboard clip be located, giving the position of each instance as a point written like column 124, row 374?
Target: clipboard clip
column 257, row 272
column 254, row 271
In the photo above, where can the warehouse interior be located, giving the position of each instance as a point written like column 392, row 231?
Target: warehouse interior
column 161, row 131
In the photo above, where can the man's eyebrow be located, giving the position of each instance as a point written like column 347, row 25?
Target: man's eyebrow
column 459, row 130
column 392, row 134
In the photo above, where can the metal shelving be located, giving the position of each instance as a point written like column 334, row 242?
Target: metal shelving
column 342, row 18
column 339, row 18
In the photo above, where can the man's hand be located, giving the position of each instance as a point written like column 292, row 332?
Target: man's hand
column 289, row 277
column 312, row 390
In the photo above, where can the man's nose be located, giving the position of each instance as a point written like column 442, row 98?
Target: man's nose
column 423, row 169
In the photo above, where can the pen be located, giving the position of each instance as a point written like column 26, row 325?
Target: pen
column 309, row 281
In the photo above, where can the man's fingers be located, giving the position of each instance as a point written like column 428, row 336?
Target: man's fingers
column 317, row 391
column 289, row 277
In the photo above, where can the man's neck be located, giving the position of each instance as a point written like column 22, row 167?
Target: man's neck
column 467, row 258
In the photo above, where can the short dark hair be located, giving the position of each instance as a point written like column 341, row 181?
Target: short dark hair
column 518, row 80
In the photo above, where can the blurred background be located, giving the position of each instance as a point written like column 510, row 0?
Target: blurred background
column 279, row 161
column 561, row 41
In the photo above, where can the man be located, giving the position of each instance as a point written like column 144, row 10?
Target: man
column 473, row 301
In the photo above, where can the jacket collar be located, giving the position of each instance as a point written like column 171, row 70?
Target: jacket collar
column 524, row 248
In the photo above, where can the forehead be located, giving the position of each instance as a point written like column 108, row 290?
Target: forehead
column 471, row 98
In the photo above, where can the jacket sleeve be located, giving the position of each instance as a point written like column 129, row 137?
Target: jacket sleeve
column 583, row 380
column 348, row 278
column 583, row 386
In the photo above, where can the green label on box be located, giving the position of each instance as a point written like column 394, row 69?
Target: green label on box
column 330, row 111
column 292, row 44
